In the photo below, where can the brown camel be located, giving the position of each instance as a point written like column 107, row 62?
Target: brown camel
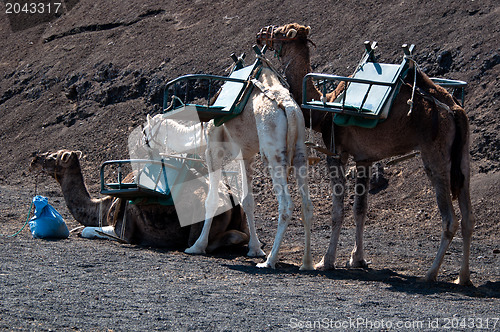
column 143, row 224
column 437, row 126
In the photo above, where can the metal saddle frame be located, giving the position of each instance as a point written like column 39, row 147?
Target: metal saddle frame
column 151, row 181
column 369, row 93
column 220, row 106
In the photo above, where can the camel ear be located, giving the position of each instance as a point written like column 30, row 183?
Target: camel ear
column 291, row 33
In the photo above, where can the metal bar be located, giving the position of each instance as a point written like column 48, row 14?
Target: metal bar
column 342, row 110
column 365, row 97
column 455, row 84
column 179, row 157
column 204, row 76
column 304, row 89
column 324, row 92
column 119, row 176
column 448, row 83
column 344, row 78
column 344, row 95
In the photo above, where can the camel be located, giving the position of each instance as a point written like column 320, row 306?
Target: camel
column 143, row 224
column 437, row 126
column 272, row 124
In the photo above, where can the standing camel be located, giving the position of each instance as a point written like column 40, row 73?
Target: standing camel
column 272, row 124
column 143, row 224
column 437, row 126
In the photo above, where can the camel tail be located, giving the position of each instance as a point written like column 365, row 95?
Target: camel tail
column 458, row 148
column 291, row 133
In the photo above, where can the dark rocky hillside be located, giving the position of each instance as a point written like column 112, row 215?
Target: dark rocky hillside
column 83, row 78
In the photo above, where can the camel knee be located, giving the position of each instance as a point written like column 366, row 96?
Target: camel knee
column 451, row 228
column 285, row 211
column 307, row 212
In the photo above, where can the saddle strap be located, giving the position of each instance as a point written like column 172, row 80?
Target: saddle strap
column 263, row 89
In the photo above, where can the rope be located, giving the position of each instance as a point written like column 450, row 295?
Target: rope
column 410, row 101
column 122, row 232
column 27, row 220
column 29, row 213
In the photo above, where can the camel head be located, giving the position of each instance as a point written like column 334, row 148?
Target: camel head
column 278, row 37
column 56, row 164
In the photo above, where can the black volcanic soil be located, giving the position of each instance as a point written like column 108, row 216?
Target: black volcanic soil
column 84, row 78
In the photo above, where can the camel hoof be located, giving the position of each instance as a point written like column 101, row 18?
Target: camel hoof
column 306, row 267
column 266, row 264
column 256, row 253
column 321, row 266
column 361, row 264
column 464, row 282
column 194, row 251
column 428, row 278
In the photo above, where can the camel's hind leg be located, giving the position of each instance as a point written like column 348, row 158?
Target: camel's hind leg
column 439, row 173
column 468, row 222
column 285, row 207
column 300, row 164
column 360, row 207
column 248, row 204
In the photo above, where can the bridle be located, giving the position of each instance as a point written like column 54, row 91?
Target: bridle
column 267, row 36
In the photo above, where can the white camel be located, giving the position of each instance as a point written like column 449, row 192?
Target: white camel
column 272, row 124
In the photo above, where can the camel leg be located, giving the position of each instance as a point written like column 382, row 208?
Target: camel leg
column 307, row 209
column 468, row 223
column 248, row 204
column 89, row 232
column 285, row 206
column 440, row 177
column 360, row 207
column 232, row 237
column 337, row 179
column 211, row 204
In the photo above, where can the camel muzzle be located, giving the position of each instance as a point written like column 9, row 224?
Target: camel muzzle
column 266, row 36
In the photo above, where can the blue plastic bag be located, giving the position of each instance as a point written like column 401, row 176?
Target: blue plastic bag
column 47, row 222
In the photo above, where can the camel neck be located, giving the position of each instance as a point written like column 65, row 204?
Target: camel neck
column 84, row 209
column 297, row 64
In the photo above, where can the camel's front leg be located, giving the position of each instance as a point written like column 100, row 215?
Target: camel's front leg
column 360, row 207
column 336, row 168
column 211, row 206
